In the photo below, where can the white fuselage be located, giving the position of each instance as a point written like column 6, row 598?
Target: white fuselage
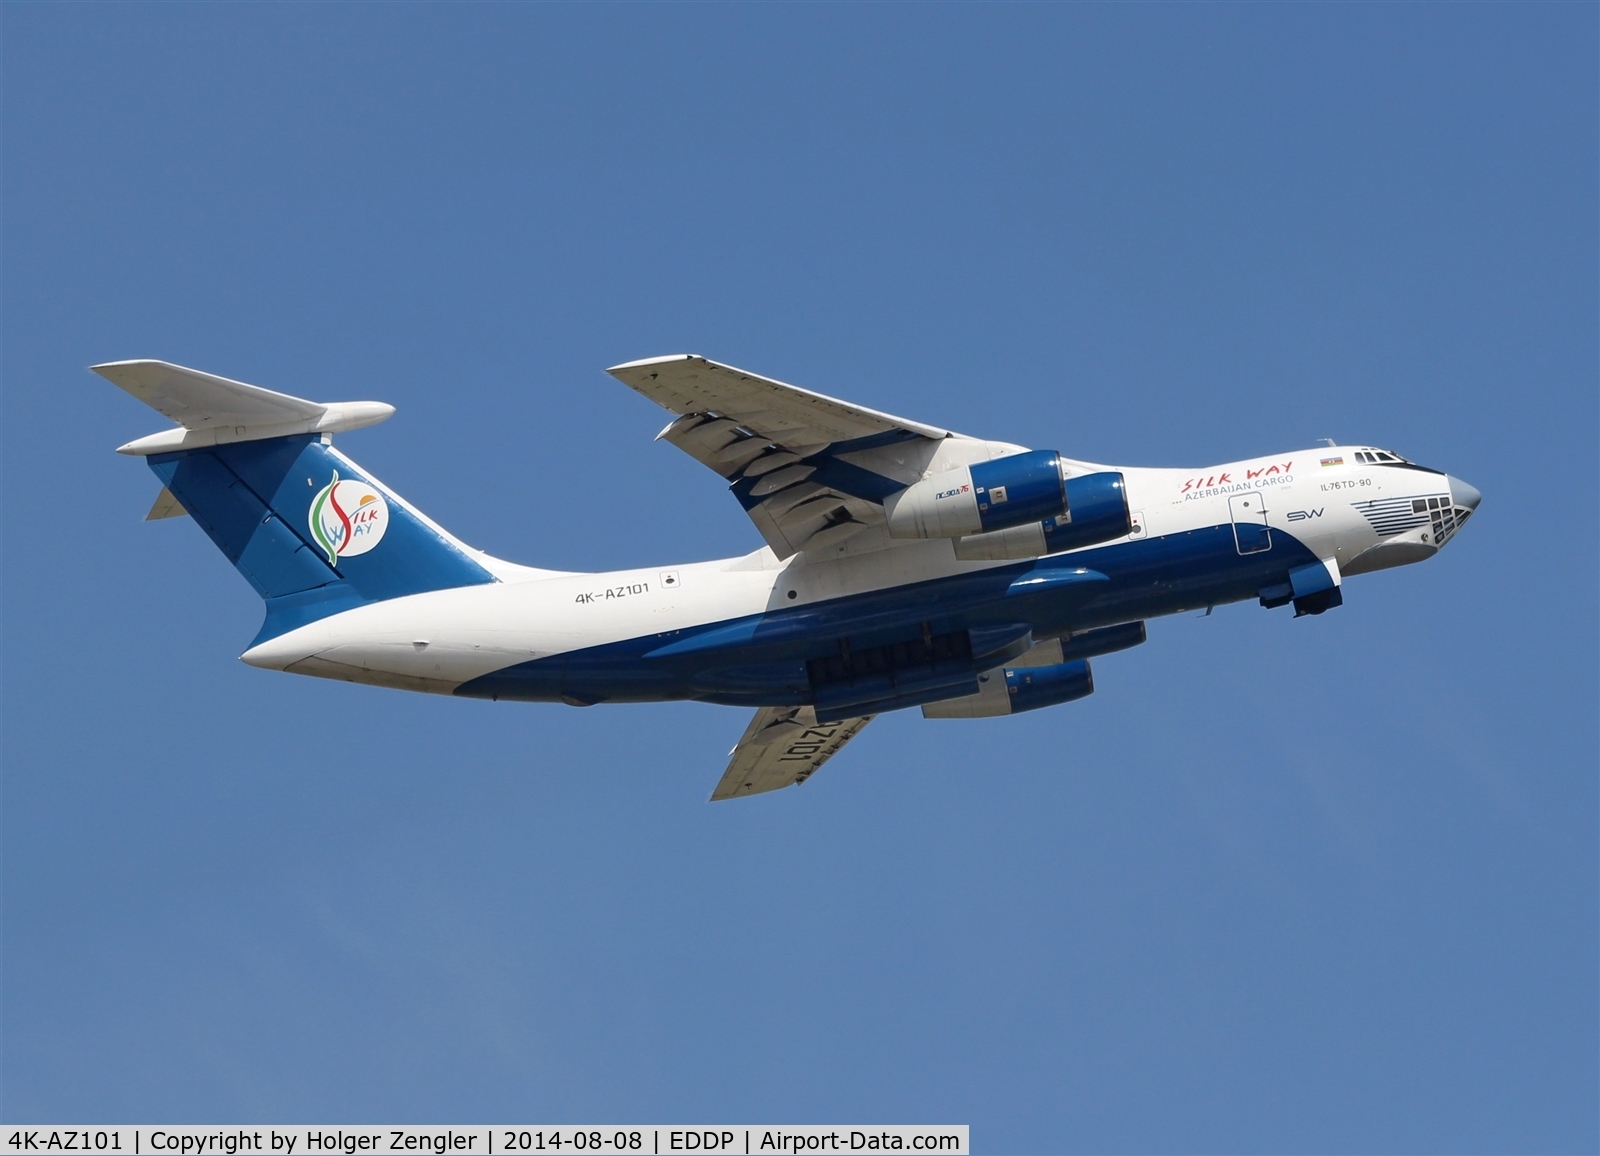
column 437, row 641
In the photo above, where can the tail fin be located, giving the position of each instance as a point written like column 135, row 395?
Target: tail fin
column 307, row 527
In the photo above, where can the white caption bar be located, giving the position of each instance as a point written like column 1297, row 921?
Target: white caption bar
column 483, row 1139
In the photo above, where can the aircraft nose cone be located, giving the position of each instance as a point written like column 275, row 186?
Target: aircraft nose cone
column 1462, row 494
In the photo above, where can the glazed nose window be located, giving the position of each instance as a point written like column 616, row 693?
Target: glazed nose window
column 1443, row 518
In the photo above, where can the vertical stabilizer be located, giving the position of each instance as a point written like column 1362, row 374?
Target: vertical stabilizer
column 311, row 531
column 306, row 526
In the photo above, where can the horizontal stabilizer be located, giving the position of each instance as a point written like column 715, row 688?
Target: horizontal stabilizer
column 166, row 506
column 213, row 410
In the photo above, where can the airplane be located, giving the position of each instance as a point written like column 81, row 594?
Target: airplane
column 904, row 565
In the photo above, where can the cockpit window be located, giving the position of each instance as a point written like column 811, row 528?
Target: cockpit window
column 1376, row 457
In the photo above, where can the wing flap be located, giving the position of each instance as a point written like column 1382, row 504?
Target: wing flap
column 782, row 747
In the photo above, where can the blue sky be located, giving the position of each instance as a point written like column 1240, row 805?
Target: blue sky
column 1315, row 885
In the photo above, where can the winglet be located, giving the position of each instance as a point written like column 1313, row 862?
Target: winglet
column 213, row 410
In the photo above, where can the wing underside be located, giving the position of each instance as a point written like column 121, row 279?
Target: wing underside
column 782, row 747
column 811, row 471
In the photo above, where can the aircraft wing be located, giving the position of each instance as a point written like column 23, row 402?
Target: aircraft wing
column 781, row 747
column 811, row 471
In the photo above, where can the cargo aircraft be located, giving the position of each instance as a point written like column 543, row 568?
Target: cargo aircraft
column 904, row 565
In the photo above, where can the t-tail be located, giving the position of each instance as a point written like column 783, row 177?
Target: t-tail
column 313, row 532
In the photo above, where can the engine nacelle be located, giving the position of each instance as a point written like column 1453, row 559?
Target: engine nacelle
column 1097, row 511
column 1014, row 690
column 1011, row 491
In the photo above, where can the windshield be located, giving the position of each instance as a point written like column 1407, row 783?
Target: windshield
column 1376, row 457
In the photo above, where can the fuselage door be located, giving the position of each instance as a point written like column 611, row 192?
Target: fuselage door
column 1250, row 531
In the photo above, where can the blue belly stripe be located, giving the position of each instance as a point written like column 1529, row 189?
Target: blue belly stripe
column 759, row 660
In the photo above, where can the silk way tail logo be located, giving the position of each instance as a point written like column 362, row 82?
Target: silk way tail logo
column 348, row 518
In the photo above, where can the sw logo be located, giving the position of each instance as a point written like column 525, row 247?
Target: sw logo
column 348, row 518
column 1304, row 515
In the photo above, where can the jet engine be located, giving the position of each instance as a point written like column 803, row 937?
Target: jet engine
column 1029, row 492
column 1013, row 690
column 1010, row 491
column 1051, row 672
column 1095, row 510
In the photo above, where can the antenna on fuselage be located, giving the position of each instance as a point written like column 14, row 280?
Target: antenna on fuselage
column 1329, row 442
